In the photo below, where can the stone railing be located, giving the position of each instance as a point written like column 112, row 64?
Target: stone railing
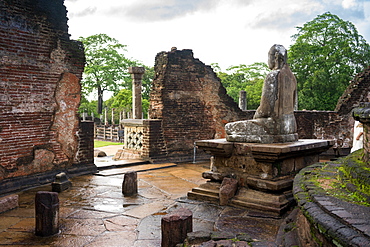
column 133, row 137
column 143, row 140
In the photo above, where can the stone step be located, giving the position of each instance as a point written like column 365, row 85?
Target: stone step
column 275, row 211
column 203, row 197
column 214, row 193
column 276, row 204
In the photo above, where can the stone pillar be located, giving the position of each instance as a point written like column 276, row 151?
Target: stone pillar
column 362, row 114
column 105, row 117
column 129, row 185
column 243, row 100
column 47, row 213
column 176, row 226
column 136, row 74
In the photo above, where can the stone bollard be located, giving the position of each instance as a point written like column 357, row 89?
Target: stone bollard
column 176, row 226
column 47, row 213
column 61, row 183
column 129, row 185
column 227, row 190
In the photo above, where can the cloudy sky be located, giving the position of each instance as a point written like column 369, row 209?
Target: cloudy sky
column 228, row 32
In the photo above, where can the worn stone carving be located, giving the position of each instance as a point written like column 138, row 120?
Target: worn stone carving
column 274, row 120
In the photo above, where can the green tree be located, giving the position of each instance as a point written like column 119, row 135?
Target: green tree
column 327, row 53
column 106, row 66
column 89, row 107
column 147, row 83
column 244, row 77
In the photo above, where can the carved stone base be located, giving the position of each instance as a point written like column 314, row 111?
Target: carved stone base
column 272, row 203
column 264, row 172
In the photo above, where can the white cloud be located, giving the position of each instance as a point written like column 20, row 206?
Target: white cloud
column 349, row 4
column 228, row 32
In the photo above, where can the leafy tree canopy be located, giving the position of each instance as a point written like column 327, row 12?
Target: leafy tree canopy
column 106, row 69
column 244, row 77
column 327, row 53
column 89, row 107
column 106, row 66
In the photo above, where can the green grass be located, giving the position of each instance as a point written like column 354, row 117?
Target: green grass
column 98, row 144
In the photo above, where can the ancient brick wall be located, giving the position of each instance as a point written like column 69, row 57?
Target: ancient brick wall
column 191, row 102
column 40, row 72
column 153, row 141
column 358, row 91
column 85, row 154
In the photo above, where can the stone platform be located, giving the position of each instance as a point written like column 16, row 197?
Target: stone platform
column 264, row 172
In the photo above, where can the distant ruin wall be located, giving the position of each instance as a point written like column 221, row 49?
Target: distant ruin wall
column 40, row 72
column 191, row 102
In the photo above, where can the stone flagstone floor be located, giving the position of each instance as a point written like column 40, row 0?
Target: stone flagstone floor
column 95, row 213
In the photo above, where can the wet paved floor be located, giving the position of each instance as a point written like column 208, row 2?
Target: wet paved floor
column 95, row 213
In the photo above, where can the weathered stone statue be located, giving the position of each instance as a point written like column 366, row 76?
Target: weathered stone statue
column 274, row 120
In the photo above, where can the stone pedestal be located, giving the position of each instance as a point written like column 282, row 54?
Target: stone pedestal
column 264, row 172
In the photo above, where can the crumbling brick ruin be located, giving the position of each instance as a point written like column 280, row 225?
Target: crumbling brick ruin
column 40, row 70
column 191, row 102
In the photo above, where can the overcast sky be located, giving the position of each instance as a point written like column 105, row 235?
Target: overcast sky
column 228, row 32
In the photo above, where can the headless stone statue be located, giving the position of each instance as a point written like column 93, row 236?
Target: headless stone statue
column 274, row 120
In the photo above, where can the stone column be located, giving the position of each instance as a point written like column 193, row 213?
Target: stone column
column 243, row 100
column 136, row 74
column 105, row 117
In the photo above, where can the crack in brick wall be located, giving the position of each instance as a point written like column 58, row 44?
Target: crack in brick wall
column 40, row 70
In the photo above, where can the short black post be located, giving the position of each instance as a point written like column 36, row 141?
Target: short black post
column 61, row 183
column 129, row 185
column 47, row 213
column 176, row 226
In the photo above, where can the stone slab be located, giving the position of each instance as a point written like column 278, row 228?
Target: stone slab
column 137, row 168
column 8, row 202
column 273, row 151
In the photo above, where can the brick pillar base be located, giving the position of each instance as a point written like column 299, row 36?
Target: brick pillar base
column 175, row 227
